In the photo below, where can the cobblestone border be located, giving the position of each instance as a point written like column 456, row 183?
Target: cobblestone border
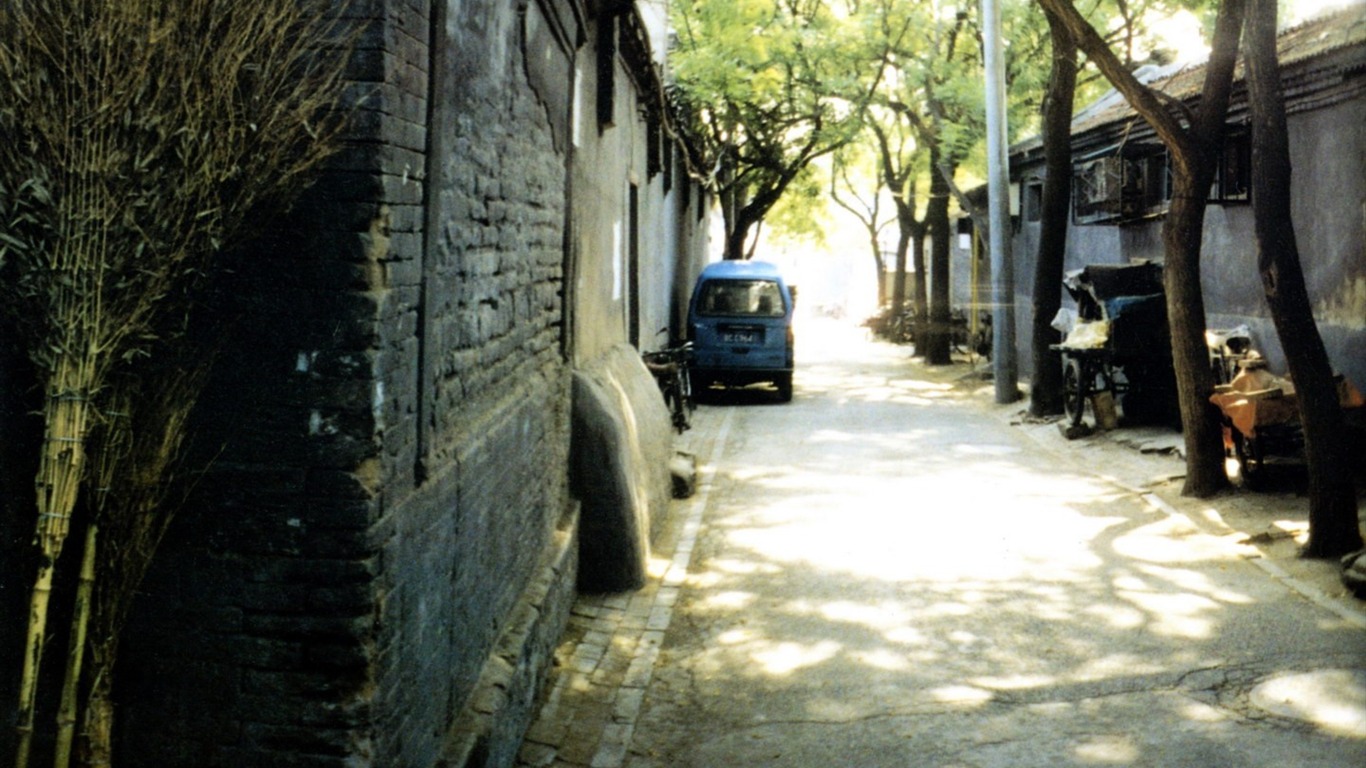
column 589, row 714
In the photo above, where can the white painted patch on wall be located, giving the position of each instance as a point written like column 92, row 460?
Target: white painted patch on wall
column 618, row 269
column 576, row 119
column 320, row 425
column 1347, row 306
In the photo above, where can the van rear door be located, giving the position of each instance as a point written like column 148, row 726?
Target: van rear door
column 740, row 322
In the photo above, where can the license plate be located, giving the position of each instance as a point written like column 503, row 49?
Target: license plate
column 740, row 337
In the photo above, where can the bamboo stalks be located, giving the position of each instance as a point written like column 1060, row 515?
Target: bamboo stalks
column 66, row 415
column 141, row 137
column 33, row 652
column 136, row 464
column 108, row 454
column 78, row 269
column 75, row 655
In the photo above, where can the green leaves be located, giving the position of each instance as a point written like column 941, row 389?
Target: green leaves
column 772, row 85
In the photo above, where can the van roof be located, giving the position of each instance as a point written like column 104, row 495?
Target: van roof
column 741, row 269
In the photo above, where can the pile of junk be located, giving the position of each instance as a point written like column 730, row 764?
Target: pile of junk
column 1259, row 408
column 1117, row 352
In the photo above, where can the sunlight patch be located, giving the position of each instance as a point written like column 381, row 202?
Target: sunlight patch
column 1016, row 682
column 906, row 636
column 1177, row 615
column 1333, row 699
column 732, row 600
column 885, row 660
column 921, row 385
column 1194, row 581
column 877, row 616
column 1117, row 616
column 1203, row 713
column 1172, row 541
column 746, row 567
column 1108, row 749
column 973, row 449
column 961, row 694
column 1116, row 665
column 737, row 636
column 658, row 566
column 786, row 658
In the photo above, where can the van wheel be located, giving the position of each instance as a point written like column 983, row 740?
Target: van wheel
column 784, row 383
column 701, row 389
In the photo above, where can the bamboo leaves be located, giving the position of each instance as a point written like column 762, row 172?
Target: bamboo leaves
column 141, row 136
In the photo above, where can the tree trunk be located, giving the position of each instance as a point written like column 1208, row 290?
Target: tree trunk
column 1195, row 160
column 1193, row 153
column 879, row 270
column 919, row 296
column 939, row 330
column 735, row 243
column 905, row 222
column 1333, row 526
column 1045, row 396
column 1181, row 235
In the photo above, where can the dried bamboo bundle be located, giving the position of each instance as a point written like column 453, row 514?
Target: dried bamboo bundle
column 141, row 136
column 137, row 490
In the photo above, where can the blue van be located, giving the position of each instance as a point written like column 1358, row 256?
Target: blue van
column 740, row 323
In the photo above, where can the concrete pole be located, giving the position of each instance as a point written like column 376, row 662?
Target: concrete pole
column 1004, row 361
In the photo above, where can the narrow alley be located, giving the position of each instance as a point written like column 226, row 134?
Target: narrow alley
column 886, row 572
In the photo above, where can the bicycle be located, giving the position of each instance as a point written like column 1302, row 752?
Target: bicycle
column 670, row 368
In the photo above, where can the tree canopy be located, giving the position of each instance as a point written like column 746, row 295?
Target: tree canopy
column 771, row 85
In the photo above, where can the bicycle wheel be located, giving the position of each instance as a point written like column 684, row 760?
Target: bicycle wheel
column 678, row 402
column 1249, row 456
column 1073, row 391
column 685, row 381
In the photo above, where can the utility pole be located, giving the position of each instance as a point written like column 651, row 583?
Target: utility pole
column 1004, row 363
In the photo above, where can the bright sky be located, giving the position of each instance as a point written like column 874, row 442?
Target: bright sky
column 1182, row 33
column 1303, row 9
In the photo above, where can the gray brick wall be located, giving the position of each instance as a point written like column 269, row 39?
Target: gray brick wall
column 379, row 556
column 393, row 411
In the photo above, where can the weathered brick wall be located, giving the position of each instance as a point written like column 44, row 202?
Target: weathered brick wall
column 393, row 415
column 255, row 642
column 380, row 554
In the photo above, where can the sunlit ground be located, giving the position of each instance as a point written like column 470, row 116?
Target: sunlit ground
column 878, row 547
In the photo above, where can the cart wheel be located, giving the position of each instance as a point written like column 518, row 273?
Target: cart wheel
column 1249, row 463
column 1073, row 391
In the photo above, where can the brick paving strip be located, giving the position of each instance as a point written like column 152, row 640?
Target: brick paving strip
column 589, row 712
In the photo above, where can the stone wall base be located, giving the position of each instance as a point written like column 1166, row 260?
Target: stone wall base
column 488, row 733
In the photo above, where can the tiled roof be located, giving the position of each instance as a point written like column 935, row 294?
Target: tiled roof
column 1300, row 45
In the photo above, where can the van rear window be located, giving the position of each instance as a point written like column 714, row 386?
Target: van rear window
column 756, row 298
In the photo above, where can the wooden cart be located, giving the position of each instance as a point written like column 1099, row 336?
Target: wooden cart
column 1121, row 345
column 1262, row 426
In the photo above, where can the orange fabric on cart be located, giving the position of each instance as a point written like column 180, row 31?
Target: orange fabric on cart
column 1276, row 405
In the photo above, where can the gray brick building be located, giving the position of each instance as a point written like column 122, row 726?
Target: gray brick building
column 383, row 550
column 1121, row 191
